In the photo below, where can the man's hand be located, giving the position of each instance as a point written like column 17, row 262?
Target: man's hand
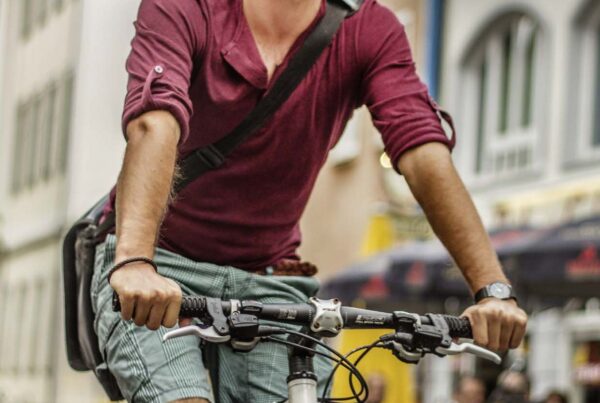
column 146, row 297
column 497, row 324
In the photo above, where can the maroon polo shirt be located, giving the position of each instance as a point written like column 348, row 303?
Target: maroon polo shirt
column 198, row 60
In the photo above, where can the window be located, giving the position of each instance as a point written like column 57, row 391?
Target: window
column 38, row 325
column 34, row 135
column 41, row 9
column 65, row 128
column 35, row 14
column 18, row 330
column 42, row 131
column 586, row 96
column 25, row 147
column 27, row 328
column 4, row 321
column 26, row 18
column 18, row 148
column 50, row 130
column 5, row 339
column 46, row 348
column 56, row 4
column 502, row 84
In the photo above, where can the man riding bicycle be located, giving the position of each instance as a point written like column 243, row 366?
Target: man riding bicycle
column 196, row 68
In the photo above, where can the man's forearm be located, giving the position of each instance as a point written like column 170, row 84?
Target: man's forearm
column 441, row 193
column 145, row 182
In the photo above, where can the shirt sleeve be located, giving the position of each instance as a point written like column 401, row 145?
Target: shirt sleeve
column 399, row 103
column 169, row 34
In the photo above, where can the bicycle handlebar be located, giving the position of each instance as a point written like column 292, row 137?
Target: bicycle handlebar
column 413, row 336
column 303, row 314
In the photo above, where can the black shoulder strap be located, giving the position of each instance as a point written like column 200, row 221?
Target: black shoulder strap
column 213, row 155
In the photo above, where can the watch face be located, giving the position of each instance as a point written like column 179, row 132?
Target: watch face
column 499, row 290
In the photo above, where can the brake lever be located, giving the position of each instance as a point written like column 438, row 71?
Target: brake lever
column 206, row 333
column 471, row 348
column 408, row 357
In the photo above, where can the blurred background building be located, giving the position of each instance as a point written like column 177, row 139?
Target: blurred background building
column 520, row 77
column 522, row 81
column 62, row 83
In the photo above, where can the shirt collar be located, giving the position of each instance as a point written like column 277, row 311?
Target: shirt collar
column 243, row 56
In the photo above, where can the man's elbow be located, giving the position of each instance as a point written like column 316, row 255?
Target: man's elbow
column 425, row 160
column 159, row 125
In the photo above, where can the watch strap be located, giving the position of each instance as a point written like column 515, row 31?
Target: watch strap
column 485, row 292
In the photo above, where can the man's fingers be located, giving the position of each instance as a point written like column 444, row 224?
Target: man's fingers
column 172, row 314
column 155, row 317
column 127, row 306
column 185, row 322
column 518, row 333
column 174, row 297
column 479, row 329
column 506, row 334
column 142, row 310
column 494, row 324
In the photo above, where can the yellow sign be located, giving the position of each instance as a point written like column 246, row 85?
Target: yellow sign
column 389, row 380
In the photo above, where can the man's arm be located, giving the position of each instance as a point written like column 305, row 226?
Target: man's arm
column 143, row 192
column 432, row 178
column 169, row 36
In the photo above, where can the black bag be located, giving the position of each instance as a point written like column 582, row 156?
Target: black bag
column 79, row 245
column 79, row 249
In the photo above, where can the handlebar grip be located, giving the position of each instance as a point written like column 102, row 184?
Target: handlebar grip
column 116, row 303
column 193, row 307
column 459, row 326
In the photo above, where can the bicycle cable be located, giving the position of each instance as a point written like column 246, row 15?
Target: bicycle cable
column 347, row 364
column 315, row 351
column 368, row 348
column 312, row 350
column 359, row 377
column 334, row 370
column 358, row 360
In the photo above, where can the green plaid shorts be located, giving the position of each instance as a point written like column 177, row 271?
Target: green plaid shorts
column 148, row 370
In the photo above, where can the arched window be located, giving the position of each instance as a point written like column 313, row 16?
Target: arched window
column 585, row 108
column 501, row 98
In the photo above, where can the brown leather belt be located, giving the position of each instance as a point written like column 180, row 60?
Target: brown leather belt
column 289, row 268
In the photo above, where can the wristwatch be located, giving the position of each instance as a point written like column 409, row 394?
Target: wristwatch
column 495, row 290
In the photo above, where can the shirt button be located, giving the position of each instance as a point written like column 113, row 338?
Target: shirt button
column 159, row 69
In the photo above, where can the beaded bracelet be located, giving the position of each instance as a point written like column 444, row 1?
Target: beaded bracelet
column 132, row 260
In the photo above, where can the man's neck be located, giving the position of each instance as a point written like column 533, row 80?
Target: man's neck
column 280, row 20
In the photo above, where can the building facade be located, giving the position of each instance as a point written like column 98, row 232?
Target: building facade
column 62, row 81
column 522, row 79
